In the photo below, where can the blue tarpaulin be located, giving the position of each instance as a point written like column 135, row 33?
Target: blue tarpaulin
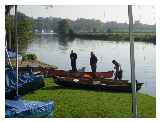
column 11, row 54
column 27, row 83
column 28, row 109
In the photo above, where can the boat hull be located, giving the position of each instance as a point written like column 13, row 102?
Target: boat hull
column 116, row 87
column 62, row 73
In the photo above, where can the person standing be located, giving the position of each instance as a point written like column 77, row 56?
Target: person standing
column 73, row 57
column 118, row 72
column 93, row 64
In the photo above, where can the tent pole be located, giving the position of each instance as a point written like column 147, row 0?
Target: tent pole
column 16, row 39
column 132, row 62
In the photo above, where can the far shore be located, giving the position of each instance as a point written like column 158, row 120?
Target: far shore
column 113, row 36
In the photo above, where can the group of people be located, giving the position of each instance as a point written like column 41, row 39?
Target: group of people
column 93, row 64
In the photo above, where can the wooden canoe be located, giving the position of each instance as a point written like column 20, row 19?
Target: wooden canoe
column 62, row 73
column 99, row 84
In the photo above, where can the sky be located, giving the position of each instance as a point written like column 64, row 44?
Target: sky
column 119, row 13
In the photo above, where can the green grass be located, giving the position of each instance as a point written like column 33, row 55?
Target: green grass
column 138, row 37
column 87, row 103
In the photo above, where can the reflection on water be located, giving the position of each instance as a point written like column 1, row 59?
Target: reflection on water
column 54, row 51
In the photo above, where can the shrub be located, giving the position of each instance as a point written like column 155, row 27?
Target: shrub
column 29, row 57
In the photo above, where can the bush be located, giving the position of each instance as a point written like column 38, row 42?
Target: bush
column 29, row 57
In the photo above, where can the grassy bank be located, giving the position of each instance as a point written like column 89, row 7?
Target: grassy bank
column 86, row 103
column 32, row 60
column 141, row 37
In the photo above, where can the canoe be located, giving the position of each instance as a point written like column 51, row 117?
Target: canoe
column 98, row 84
column 28, row 109
column 51, row 72
column 27, row 83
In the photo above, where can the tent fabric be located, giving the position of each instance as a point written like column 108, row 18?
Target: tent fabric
column 12, row 55
column 27, row 83
column 28, row 109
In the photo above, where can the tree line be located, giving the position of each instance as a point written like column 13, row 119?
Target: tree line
column 27, row 26
column 88, row 25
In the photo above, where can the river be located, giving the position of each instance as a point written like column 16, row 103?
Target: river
column 55, row 51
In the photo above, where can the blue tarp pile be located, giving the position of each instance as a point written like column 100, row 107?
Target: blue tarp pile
column 27, row 83
column 28, row 109
column 11, row 54
column 22, row 108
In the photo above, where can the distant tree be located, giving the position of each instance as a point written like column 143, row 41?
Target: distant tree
column 24, row 29
column 38, row 24
column 109, row 30
column 63, row 27
column 94, row 30
column 71, row 32
column 87, row 25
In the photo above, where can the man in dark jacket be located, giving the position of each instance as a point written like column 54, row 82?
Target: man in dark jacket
column 93, row 63
column 73, row 57
column 118, row 73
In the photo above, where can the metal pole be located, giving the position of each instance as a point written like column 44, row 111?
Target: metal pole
column 16, row 39
column 132, row 62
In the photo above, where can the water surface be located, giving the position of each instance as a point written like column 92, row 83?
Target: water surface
column 55, row 51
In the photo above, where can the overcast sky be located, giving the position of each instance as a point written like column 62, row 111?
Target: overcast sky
column 146, row 14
